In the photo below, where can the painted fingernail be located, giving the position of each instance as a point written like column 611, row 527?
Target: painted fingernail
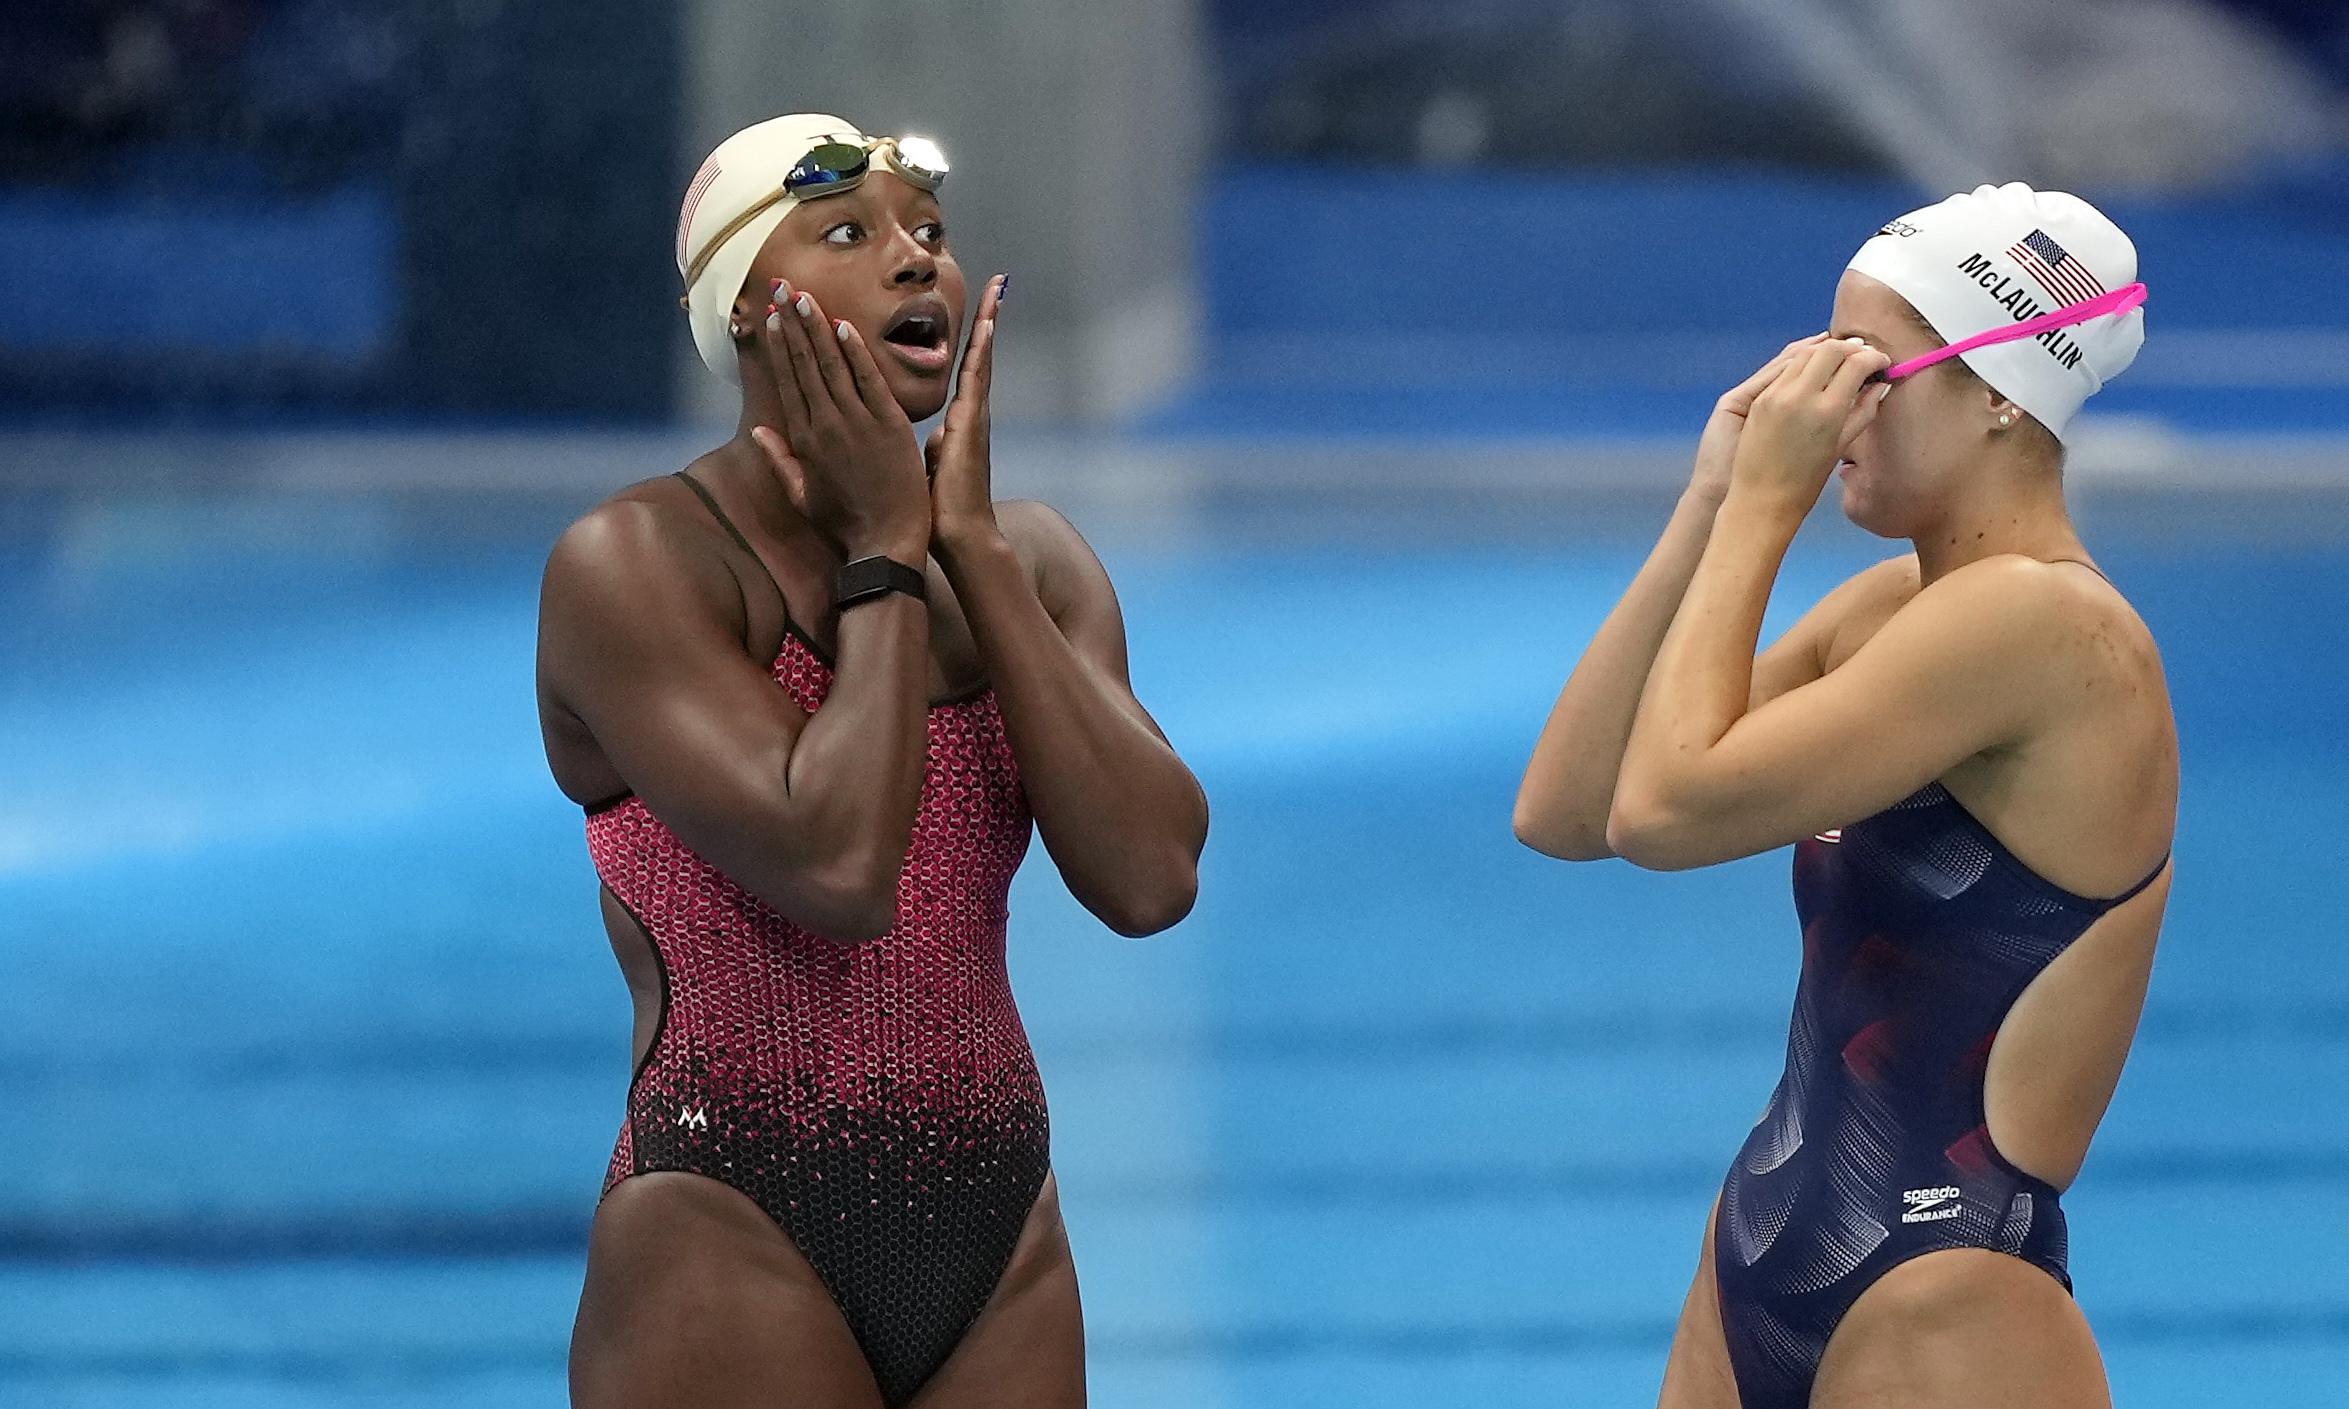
column 840, row 329
column 804, row 304
column 775, row 320
column 1002, row 290
column 1884, row 391
column 774, row 288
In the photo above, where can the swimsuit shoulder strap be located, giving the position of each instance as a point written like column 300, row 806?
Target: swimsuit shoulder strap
column 710, row 502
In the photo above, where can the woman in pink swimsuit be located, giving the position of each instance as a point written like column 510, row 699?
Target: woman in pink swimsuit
column 812, row 691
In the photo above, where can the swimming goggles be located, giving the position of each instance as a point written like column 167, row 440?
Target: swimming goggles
column 2120, row 300
column 834, row 165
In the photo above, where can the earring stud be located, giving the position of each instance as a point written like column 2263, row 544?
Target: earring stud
column 2006, row 420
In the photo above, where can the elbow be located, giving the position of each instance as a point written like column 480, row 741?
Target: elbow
column 848, row 902
column 1650, row 833
column 1560, row 837
column 1139, row 910
column 1566, row 838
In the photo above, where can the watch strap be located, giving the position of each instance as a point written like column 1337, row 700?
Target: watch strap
column 868, row 579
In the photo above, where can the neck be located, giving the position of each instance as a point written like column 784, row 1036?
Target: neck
column 739, row 463
column 762, row 405
column 2010, row 508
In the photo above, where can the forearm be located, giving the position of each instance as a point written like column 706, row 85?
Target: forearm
column 1702, row 679
column 854, row 777
column 1569, row 785
column 1122, row 817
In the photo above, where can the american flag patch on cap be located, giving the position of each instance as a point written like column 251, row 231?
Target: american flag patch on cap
column 701, row 187
column 2055, row 269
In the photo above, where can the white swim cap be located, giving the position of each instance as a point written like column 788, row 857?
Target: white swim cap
column 745, row 170
column 2004, row 254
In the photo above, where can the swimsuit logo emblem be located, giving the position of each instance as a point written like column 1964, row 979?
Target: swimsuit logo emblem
column 694, row 1117
column 1930, row 1205
column 1831, row 834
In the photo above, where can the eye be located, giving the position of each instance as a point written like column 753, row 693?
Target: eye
column 931, row 232
column 847, row 232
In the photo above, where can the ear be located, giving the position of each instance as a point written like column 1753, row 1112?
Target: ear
column 748, row 317
column 2004, row 414
column 742, row 323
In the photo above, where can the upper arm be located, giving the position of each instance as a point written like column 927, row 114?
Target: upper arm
column 642, row 642
column 1072, row 584
column 1800, row 656
column 1793, row 660
column 1957, row 672
column 1077, row 594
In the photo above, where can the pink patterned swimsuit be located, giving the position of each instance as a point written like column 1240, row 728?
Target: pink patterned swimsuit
column 878, row 1100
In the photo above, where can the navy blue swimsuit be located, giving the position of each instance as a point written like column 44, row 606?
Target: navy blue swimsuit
column 1920, row 930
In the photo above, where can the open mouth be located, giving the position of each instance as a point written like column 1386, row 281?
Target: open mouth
column 919, row 334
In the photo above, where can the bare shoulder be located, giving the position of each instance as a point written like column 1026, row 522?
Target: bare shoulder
column 1882, row 587
column 1039, row 532
column 1847, row 617
column 2043, row 613
column 2042, row 593
column 632, row 569
column 1068, row 578
column 637, row 531
column 1058, row 559
column 2095, row 620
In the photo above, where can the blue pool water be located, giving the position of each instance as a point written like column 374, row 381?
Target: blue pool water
column 311, row 1050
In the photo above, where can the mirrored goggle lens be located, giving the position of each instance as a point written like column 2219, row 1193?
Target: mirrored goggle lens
column 830, row 167
column 920, row 160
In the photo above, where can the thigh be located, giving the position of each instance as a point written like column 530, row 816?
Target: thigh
column 1960, row 1329
column 1698, row 1374
column 695, row 1297
column 1027, row 1349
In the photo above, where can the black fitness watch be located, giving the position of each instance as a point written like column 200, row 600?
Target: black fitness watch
column 869, row 578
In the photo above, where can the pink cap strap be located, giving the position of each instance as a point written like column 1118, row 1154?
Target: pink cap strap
column 2120, row 300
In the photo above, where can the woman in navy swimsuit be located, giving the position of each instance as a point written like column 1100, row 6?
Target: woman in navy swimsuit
column 812, row 692
column 1970, row 749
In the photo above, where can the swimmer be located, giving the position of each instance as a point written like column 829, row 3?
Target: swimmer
column 1971, row 751
column 812, row 691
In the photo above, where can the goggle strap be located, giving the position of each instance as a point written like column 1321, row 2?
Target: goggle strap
column 2120, row 300
column 731, row 228
column 928, row 181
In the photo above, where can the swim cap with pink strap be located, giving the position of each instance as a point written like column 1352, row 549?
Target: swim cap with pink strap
column 2001, row 255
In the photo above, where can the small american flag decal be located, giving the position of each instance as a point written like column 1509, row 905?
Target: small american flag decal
column 701, row 187
column 2055, row 269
